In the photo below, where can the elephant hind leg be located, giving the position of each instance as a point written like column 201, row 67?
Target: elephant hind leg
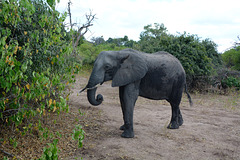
column 180, row 119
column 176, row 119
column 122, row 127
column 175, row 100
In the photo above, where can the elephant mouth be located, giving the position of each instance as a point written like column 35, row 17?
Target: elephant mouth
column 90, row 88
column 87, row 88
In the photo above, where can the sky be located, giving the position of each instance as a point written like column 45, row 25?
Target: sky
column 218, row 20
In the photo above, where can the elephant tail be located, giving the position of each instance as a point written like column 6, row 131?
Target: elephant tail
column 188, row 95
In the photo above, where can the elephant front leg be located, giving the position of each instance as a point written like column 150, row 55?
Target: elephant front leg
column 128, row 99
column 128, row 124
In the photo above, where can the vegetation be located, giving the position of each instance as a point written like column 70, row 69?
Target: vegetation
column 203, row 64
column 232, row 58
column 231, row 82
column 39, row 60
column 90, row 51
column 35, row 67
column 198, row 57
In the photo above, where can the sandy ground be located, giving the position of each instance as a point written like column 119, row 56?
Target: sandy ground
column 211, row 128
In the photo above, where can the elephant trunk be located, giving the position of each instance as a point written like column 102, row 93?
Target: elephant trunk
column 91, row 95
column 91, row 87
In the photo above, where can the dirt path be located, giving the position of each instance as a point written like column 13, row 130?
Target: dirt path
column 211, row 128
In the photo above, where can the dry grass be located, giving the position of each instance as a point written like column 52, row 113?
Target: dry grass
column 230, row 101
column 30, row 146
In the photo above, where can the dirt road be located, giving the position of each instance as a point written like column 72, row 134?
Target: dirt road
column 211, row 128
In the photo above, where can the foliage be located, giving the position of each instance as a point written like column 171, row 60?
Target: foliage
column 89, row 51
column 122, row 42
column 197, row 57
column 35, row 64
column 231, row 58
column 231, row 82
column 33, row 60
column 50, row 153
column 212, row 53
column 98, row 40
column 78, row 134
column 119, row 42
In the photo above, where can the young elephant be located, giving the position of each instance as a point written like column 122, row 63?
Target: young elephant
column 155, row 76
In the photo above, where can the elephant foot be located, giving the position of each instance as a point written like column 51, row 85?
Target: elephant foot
column 127, row 134
column 180, row 120
column 122, row 127
column 173, row 125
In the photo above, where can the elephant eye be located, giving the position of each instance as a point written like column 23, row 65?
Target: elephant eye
column 107, row 67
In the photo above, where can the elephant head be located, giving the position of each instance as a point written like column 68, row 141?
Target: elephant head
column 122, row 67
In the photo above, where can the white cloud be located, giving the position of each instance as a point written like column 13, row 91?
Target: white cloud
column 216, row 19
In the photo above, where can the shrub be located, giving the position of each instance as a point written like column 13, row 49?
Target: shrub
column 197, row 57
column 89, row 51
column 231, row 82
column 231, row 58
column 50, row 153
column 35, row 62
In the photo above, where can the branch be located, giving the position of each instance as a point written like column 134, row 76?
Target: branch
column 70, row 15
column 75, row 39
column 6, row 153
column 238, row 43
column 80, row 33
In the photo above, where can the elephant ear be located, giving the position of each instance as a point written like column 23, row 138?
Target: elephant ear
column 133, row 67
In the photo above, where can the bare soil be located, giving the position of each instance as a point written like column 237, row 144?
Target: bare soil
column 211, row 128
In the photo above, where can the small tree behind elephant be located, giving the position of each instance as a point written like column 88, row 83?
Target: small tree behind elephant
column 155, row 76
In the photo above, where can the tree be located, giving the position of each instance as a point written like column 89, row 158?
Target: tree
column 153, row 38
column 98, row 40
column 197, row 57
column 121, row 42
column 130, row 44
column 237, row 43
column 231, row 58
column 155, row 31
column 125, row 38
column 211, row 51
column 81, row 30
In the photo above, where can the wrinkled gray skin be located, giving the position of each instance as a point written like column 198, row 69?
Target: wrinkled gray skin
column 155, row 76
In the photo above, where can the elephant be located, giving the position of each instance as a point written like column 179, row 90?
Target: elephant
column 156, row 76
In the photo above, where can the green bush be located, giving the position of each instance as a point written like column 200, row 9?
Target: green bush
column 199, row 58
column 89, row 51
column 231, row 82
column 78, row 134
column 50, row 153
column 35, row 62
column 231, row 58
column 34, row 59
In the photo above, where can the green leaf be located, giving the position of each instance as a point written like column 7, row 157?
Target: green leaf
column 24, row 66
column 30, row 62
column 51, row 3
